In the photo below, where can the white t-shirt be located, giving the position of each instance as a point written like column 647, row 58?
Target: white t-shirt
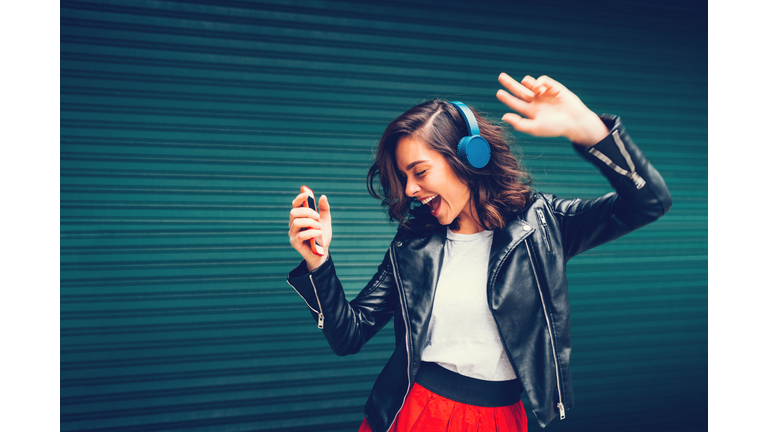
column 462, row 335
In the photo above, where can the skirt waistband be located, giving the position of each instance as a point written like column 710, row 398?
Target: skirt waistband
column 468, row 390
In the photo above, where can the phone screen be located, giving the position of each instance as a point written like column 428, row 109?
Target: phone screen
column 311, row 203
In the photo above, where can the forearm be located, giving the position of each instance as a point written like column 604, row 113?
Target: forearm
column 346, row 325
column 637, row 182
column 641, row 195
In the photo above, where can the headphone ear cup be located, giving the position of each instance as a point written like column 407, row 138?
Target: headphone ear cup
column 461, row 149
column 475, row 151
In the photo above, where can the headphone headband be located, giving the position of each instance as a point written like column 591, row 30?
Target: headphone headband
column 469, row 118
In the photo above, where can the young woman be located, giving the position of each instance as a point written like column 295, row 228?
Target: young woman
column 475, row 277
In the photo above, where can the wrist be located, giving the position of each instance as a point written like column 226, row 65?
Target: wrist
column 316, row 262
column 589, row 130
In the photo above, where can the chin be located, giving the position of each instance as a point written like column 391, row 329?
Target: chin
column 450, row 223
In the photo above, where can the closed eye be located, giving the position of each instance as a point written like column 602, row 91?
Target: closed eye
column 421, row 173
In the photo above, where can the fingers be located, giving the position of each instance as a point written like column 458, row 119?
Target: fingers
column 515, row 87
column 303, row 236
column 302, row 217
column 300, row 242
column 512, row 102
column 511, row 118
column 525, row 94
column 301, row 223
column 299, row 226
column 549, row 82
column 304, row 212
column 306, row 224
column 520, row 124
column 299, row 200
column 542, row 85
column 528, row 82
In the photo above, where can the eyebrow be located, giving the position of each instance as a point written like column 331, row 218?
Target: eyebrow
column 413, row 164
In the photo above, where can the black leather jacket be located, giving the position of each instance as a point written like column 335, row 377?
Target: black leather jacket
column 527, row 288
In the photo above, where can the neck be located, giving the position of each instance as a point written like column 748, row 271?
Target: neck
column 468, row 223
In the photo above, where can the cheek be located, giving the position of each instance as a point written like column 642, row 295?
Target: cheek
column 459, row 190
column 458, row 196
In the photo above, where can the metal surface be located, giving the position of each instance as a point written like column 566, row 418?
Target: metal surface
column 188, row 126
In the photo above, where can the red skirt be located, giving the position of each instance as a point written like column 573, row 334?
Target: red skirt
column 427, row 411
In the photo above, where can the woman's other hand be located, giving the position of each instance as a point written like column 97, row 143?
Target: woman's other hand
column 319, row 228
column 548, row 109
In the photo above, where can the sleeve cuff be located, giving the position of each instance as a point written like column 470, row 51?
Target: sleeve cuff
column 613, row 123
column 299, row 279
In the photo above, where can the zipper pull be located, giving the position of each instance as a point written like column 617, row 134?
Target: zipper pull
column 541, row 216
column 320, row 319
column 562, row 410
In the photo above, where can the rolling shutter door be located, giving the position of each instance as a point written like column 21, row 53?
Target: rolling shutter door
column 188, row 126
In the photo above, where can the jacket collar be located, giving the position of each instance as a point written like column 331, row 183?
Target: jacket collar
column 422, row 257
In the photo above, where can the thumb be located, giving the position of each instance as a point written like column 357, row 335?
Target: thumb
column 520, row 124
column 323, row 207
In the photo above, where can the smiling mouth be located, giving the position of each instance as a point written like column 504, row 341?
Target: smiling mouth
column 427, row 200
column 433, row 202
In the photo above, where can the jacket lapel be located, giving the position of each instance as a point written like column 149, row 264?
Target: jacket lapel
column 421, row 259
column 504, row 241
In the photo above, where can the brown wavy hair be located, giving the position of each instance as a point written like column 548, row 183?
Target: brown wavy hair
column 497, row 190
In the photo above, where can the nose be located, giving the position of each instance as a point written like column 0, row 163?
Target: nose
column 411, row 188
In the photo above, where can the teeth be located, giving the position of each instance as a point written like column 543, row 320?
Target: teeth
column 425, row 201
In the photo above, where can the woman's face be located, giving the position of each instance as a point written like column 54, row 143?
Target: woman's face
column 431, row 180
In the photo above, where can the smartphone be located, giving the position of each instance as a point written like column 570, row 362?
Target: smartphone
column 317, row 247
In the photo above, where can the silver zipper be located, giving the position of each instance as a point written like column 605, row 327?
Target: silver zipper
column 544, row 228
column 320, row 317
column 407, row 328
column 302, row 297
column 560, row 405
column 635, row 177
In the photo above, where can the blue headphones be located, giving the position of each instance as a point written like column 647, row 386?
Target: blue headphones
column 473, row 149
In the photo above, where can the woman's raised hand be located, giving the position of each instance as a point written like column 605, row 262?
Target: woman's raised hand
column 319, row 228
column 548, row 109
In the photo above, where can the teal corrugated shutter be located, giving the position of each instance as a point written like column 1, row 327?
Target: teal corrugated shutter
column 188, row 126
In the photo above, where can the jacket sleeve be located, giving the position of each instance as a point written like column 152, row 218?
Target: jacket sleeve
column 641, row 195
column 347, row 325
